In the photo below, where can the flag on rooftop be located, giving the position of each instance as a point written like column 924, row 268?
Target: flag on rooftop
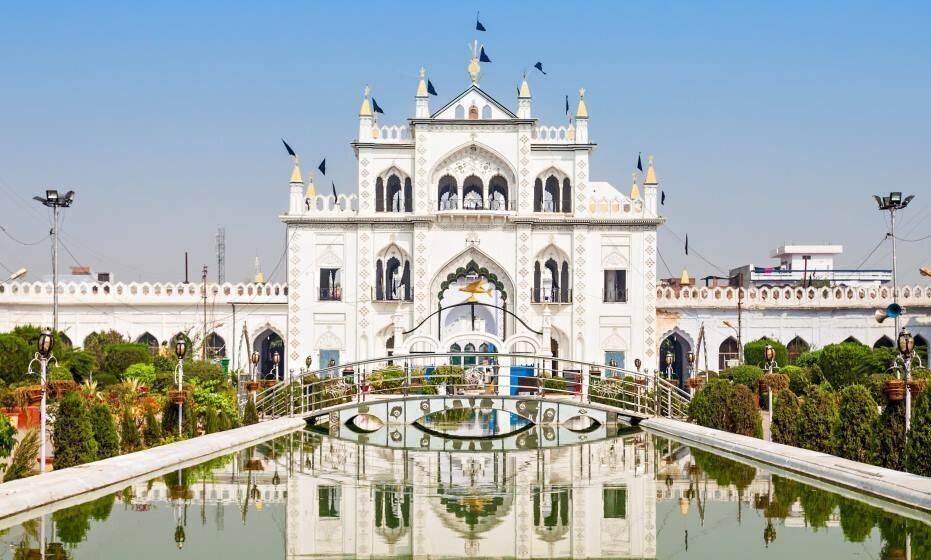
column 539, row 66
column 482, row 57
column 291, row 152
column 478, row 24
column 322, row 166
column 639, row 163
column 430, row 89
column 375, row 107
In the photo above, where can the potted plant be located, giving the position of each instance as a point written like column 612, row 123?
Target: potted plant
column 268, row 383
column 58, row 387
column 916, row 386
column 252, row 386
column 894, row 389
column 34, row 394
column 694, row 382
column 177, row 396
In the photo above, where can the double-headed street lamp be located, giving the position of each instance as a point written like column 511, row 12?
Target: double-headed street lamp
column 54, row 200
column 43, row 356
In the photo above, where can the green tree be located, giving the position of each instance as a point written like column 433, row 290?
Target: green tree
column 856, row 436
column 97, row 343
column 145, row 373
column 843, row 364
column 153, row 430
column 250, row 415
column 918, row 448
column 786, row 412
column 753, row 352
column 892, row 436
column 82, row 365
column 808, row 359
column 743, row 413
column 707, row 406
column 190, row 417
column 15, row 355
column 7, row 436
column 746, row 375
column 108, row 442
column 169, row 419
column 74, row 441
column 121, row 355
column 799, row 379
column 818, row 421
column 223, row 421
column 25, row 458
column 129, row 433
column 211, row 422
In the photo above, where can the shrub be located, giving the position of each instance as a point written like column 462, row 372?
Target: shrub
column 15, row 355
column 25, row 457
column 918, row 449
column 97, row 343
column 775, row 381
column 879, row 360
column 799, row 379
column 121, row 355
column 250, row 415
column 808, row 359
column 106, row 379
column 223, row 422
column 856, row 437
column 164, row 364
column 145, row 373
column 152, row 432
column 129, row 432
column 82, row 365
column 753, row 352
column 74, row 441
column 786, row 412
column 743, row 413
column 211, row 422
column 892, row 436
column 723, row 406
column 842, row 364
column 203, row 371
column 189, row 417
column 707, row 406
column 7, row 436
column 108, row 443
column 875, row 382
column 386, row 379
column 169, row 419
column 818, row 421
column 745, row 375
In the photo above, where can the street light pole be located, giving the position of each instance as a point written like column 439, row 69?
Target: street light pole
column 43, row 356
column 892, row 203
column 55, row 201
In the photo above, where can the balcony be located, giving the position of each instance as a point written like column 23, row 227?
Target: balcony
column 551, row 296
column 474, row 211
column 402, row 295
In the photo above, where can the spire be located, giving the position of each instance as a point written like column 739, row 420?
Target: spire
column 684, row 280
column 524, row 92
column 634, row 191
column 474, row 67
column 296, row 173
column 651, row 174
column 422, row 86
column 366, row 109
column 311, row 191
column 582, row 111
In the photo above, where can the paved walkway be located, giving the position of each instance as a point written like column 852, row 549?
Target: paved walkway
column 25, row 499
column 904, row 488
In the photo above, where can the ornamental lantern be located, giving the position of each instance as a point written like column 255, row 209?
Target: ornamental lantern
column 180, row 348
column 308, row 360
column 669, row 359
column 180, row 537
column 637, row 363
column 276, row 358
column 255, row 358
column 44, row 343
column 905, row 342
column 769, row 353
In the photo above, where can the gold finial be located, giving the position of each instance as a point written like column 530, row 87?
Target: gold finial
column 311, row 191
column 366, row 110
column 524, row 92
column 296, row 173
column 634, row 190
column 422, row 86
column 684, row 280
column 474, row 67
column 651, row 174
column 582, row 111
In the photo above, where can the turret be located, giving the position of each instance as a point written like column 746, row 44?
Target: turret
column 523, row 100
column 634, row 191
column 581, row 120
column 296, row 202
column 365, row 118
column 650, row 187
column 422, row 110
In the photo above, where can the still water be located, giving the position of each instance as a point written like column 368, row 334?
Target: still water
column 627, row 495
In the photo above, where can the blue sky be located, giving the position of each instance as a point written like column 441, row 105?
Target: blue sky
column 769, row 122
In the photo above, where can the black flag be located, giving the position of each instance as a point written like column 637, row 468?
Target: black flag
column 567, row 104
column 322, row 166
column 662, row 198
column 376, row 107
column 287, row 147
column 539, row 66
column 639, row 163
column 482, row 57
column 430, row 88
column 686, row 244
column 478, row 24
column 335, row 198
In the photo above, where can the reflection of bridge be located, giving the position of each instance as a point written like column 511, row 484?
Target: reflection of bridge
column 543, row 390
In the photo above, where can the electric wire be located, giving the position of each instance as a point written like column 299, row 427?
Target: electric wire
column 25, row 243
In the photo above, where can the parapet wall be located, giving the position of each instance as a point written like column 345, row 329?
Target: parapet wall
column 141, row 293
column 792, row 298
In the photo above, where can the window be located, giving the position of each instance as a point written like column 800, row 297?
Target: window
column 796, row 347
column 460, row 112
column 615, row 287
column 615, row 502
column 328, row 500
column 448, row 193
column 728, row 353
column 330, row 287
column 486, row 112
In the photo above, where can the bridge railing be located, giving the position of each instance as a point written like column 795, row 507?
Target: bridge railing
column 474, row 374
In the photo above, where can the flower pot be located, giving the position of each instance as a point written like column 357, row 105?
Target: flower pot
column 34, row 394
column 764, row 386
column 252, row 386
column 177, row 397
column 254, row 465
column 180, row 493
column 694, row 382
column 894, row 390
column 57, row 388
column 916, row 386
column 268, row 383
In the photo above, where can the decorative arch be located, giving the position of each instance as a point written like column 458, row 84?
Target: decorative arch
column 498, row 193
column 853, row 340
column 679, row 343
column 728, row 350
column 550, row 188
column 796, row 347
column 473, row 267
column 473, row 159
column 884, row 342
column 149, row 340
column 266, row 343
column 216, row 346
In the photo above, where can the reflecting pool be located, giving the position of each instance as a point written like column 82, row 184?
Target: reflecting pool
column 625, row 495
column 472, row 423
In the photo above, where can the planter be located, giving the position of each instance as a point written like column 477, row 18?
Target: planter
column 643, row 381
column 764, row 386
column 254, row 465
column 252, row 386
column 916, row 386
column 694, row 382
column 894, row 389
column 268, row 383
column 177, row 397
column 57, row 388
column 180, row 493
column 34, row 394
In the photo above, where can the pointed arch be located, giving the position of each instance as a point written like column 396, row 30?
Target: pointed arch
column 216, row 346
column 149, row 340
column 447, row 193
column 379, row 281
column 551, row 194
column 538, row 195
column 473, row 197
column 379, row 195
column 853, row 340
column 408, row 195
column 728, row 352
column 566, row 196
column 884, row 342
column 473, row 158
column 266, row 343
column 498, row 193
column 796, row 347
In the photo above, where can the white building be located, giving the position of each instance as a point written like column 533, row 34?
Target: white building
column 805, row 265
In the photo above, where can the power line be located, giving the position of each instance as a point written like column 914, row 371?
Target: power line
column 702, row 257
column 863, row 262
column 914, row 240
column 26, row 243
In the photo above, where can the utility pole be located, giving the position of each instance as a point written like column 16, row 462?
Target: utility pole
column 221, row 255
column 203, row 344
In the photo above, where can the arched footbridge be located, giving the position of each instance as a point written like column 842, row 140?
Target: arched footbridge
column 370, row 395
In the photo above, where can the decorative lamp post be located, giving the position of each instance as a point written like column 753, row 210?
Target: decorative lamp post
column 906, row 346
column 276, row 359
column 179, row 398
column 43, row 356
column 253, row 383
column 693, row 381
column 769, row 354
column 670, row 359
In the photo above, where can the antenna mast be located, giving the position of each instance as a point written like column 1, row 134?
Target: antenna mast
column 221, row 255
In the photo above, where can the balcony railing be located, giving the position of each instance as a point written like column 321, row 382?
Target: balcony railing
column 334, row 293
column 550, row 295
column 402, row 294
column 615, row 295
column 469, row 205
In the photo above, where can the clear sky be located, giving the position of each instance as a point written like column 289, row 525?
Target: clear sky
column 769, row 122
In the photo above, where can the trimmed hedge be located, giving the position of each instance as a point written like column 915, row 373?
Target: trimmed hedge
column 745, row 375
column 918, row 449
column 786, row 412
column 754, row 352
column 108, row 442
column 725, row 406
column 842, row 364
column 120, row 356
column 818, row 421
column 73, row 434
column 856, row 437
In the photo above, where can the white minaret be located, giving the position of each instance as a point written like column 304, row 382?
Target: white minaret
column 296, row 201
column 523, row 100
column 365, row 118
column 650, row 188
column 422, row 111
column 581, row 120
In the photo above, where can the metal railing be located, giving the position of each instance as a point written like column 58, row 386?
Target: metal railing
column 640, row 394
column 550, row 295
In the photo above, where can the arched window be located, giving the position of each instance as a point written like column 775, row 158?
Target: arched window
column 852, row 340
column 486, row 112
column 392, row 278
column 455, row 360
column 728, row 353
column 379, row 195
column 551, row 194
column 536, row 282
column 447, row 193
column 473, row 113
column 538, row 195
column 566, row 196
column 884, row 342
column 460, row 112
column 405, row 292
column 266, row 344
column 497, row 193
column 796, row 347
column 551, row 281
column 216, row 346
column 395, row 204
column 564, row 295
column 379, row 281
column 389, row 346
column 472, row 197
column 149, row 340
column 408, row 196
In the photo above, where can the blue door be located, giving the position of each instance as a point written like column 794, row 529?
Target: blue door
column 614, row 361
column 522, row 379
